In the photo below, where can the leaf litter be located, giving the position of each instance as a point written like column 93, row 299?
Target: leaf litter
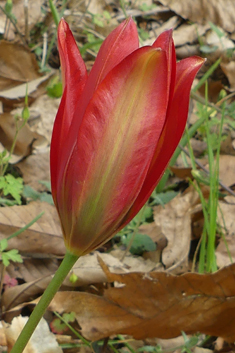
column 153, row 295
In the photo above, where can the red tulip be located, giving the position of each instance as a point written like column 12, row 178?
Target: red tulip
column 115, row 131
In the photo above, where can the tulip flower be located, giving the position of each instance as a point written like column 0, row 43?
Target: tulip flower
column 115, row 131
column 114, row 134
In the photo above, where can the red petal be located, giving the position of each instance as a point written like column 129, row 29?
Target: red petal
column 121, row 42
column 165, row 42
column 174, row 127
column 74, row 76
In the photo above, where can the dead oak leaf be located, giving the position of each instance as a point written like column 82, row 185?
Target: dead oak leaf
column 156, row 305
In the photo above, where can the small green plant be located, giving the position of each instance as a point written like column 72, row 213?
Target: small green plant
column 10, row 255
column 207, row 258
column 32, row 194
column 58, row 326
column 101, row 19
column 135, row 242
column 11, row 186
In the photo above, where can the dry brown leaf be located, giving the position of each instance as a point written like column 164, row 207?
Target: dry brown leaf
column 43, row 237
column 17, row 65
column 174, row 221
column 226, row 219
column 15, row 97
column 42, row 340
column 35, row 15
column 47, row 108
column 32, row 269
column 35, row 168
column 220, row 12
column 134, row 263
column 88, row 270
column 227, row 169
column 156, row 305
column 188, row 34
column 14, row 297
column 25, row 138
column 3, row 341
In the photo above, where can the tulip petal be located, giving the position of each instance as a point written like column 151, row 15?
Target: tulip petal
column 117, row 46
column 74, row 79
column 172, row 132
column 115, row 146
column 165, row 42
column 73, row 71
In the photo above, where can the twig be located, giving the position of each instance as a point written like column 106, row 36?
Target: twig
column 44, row 50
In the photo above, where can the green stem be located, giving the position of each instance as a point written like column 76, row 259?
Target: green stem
column 48, row 295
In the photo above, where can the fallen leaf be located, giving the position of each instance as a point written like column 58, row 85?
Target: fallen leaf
column 220, row 12
column 35, row 168
column 14, row 97
column 35, row 15
column 43, row 237
column 25, row 138
column 156, row 305
column 227, row 169
column 13, row 298
column 42, row 340
column 226, row 245
column 47, row 108
column 188, row 34
column 174, row 220
column 17, row 65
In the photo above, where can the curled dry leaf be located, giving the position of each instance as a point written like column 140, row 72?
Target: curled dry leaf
column 37, row 279
column 42, row 340
column 43, row 237
column 26, row 138
column 15, row 97
column 156, row 305
column 174, row 220
column 220, row 12
column 17, row 65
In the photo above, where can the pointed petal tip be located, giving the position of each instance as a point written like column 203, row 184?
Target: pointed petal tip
column 63, row 26
column 197, row 61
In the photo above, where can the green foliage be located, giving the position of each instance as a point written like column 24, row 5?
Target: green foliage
column 141, row 243
column 55, row 88
column 162, row 198
column 130, row 236
column 60, row 326
column 11, row 255
column 12, row 186
column 145, row 7
column 101, row 19
column 30, row 193
column 92, row 43
column 143, row 34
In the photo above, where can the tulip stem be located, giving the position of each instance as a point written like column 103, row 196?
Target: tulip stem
column 63, row 270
